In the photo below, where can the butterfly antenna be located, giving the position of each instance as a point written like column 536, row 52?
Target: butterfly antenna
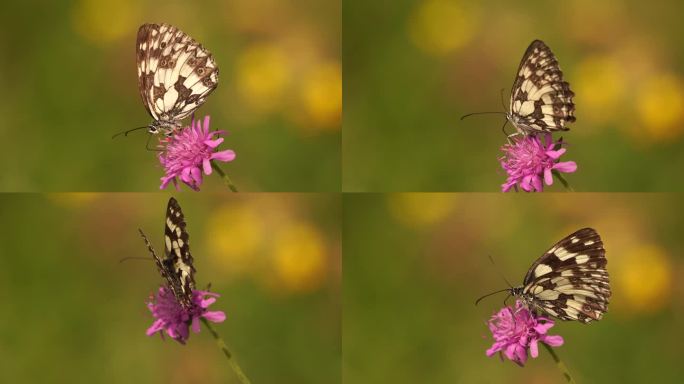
column 482, row 113
column 125, row 133
column 491, row 293
column 502, row 99
column 499, row 271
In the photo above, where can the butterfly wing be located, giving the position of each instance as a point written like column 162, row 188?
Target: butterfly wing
column 570, row 280
column 177, row 253
column 175, row 73
column 540, row 99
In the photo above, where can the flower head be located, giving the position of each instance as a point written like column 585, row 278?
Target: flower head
column 175, row 320
column 529, row 159
column 189, row 152
column 518, row 330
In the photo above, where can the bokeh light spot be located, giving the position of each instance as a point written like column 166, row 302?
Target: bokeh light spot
column 643, row 279
column 420, row 209
column 599, row 83
column 234, row 235
column 439, row 27
column 660, row 106
column 101, row 21
column 322, row 94
column 263, row 73
column 299, row 257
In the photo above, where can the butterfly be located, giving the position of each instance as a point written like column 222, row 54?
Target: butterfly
column 176, row 265
column 541, row 101
column 175, row 75
column 569, row 281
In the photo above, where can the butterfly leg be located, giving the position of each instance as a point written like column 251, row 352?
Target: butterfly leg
column 147, row 145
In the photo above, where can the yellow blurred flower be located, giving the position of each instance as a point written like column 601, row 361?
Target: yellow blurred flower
column 420, row 209
column 235, row 235
column 641, row 279
column 101, row 21
column 322, row 95
column 299, row 258
column 600, row 83
column 439, row 27
column 263, row 73
column 660, row 106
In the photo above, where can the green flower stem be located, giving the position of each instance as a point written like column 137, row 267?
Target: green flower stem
column 562, row 180
column 558, row 361
column 233, row 364
column 223, row 175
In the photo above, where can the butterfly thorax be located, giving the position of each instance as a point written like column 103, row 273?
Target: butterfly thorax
column 519, row 124
column 526, row 298
column 517, row 291
column 166, row 127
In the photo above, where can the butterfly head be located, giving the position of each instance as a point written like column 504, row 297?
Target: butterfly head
column 165, row 127
column 516, row 291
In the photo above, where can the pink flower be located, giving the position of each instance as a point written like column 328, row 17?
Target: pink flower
column 189, row 152
column 518, row 330
column 529, row 159
column 175, row 320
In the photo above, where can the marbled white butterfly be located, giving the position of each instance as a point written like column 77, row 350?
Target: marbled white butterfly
column 175, row 75
column 176, row 265
column 540, row 99
column 569, row 281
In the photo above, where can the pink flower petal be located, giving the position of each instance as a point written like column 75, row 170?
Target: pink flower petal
column 566, row 167
column 556, row 154
column 534, row 348
column 213, row 143
column 554, row 341
column 227, row 155
column 494, row 349
column 195, row 324
column 528, row 161
column 537, row 183
column 206, row 165
column 215, row 316
column 186, row 153
column 541, row 328
column 517, row 333
column 176, row 320
column 548, row 177
column 526, row 183
column 207, row 302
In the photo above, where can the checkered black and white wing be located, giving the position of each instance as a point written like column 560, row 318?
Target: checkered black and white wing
column 176, row 267
column 541, row 101
column 175, row 74
column 570, row 280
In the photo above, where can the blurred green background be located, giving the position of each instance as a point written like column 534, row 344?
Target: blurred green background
column 412, row 69
column 415, row 263
column 73, row 314
column 69, row 83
